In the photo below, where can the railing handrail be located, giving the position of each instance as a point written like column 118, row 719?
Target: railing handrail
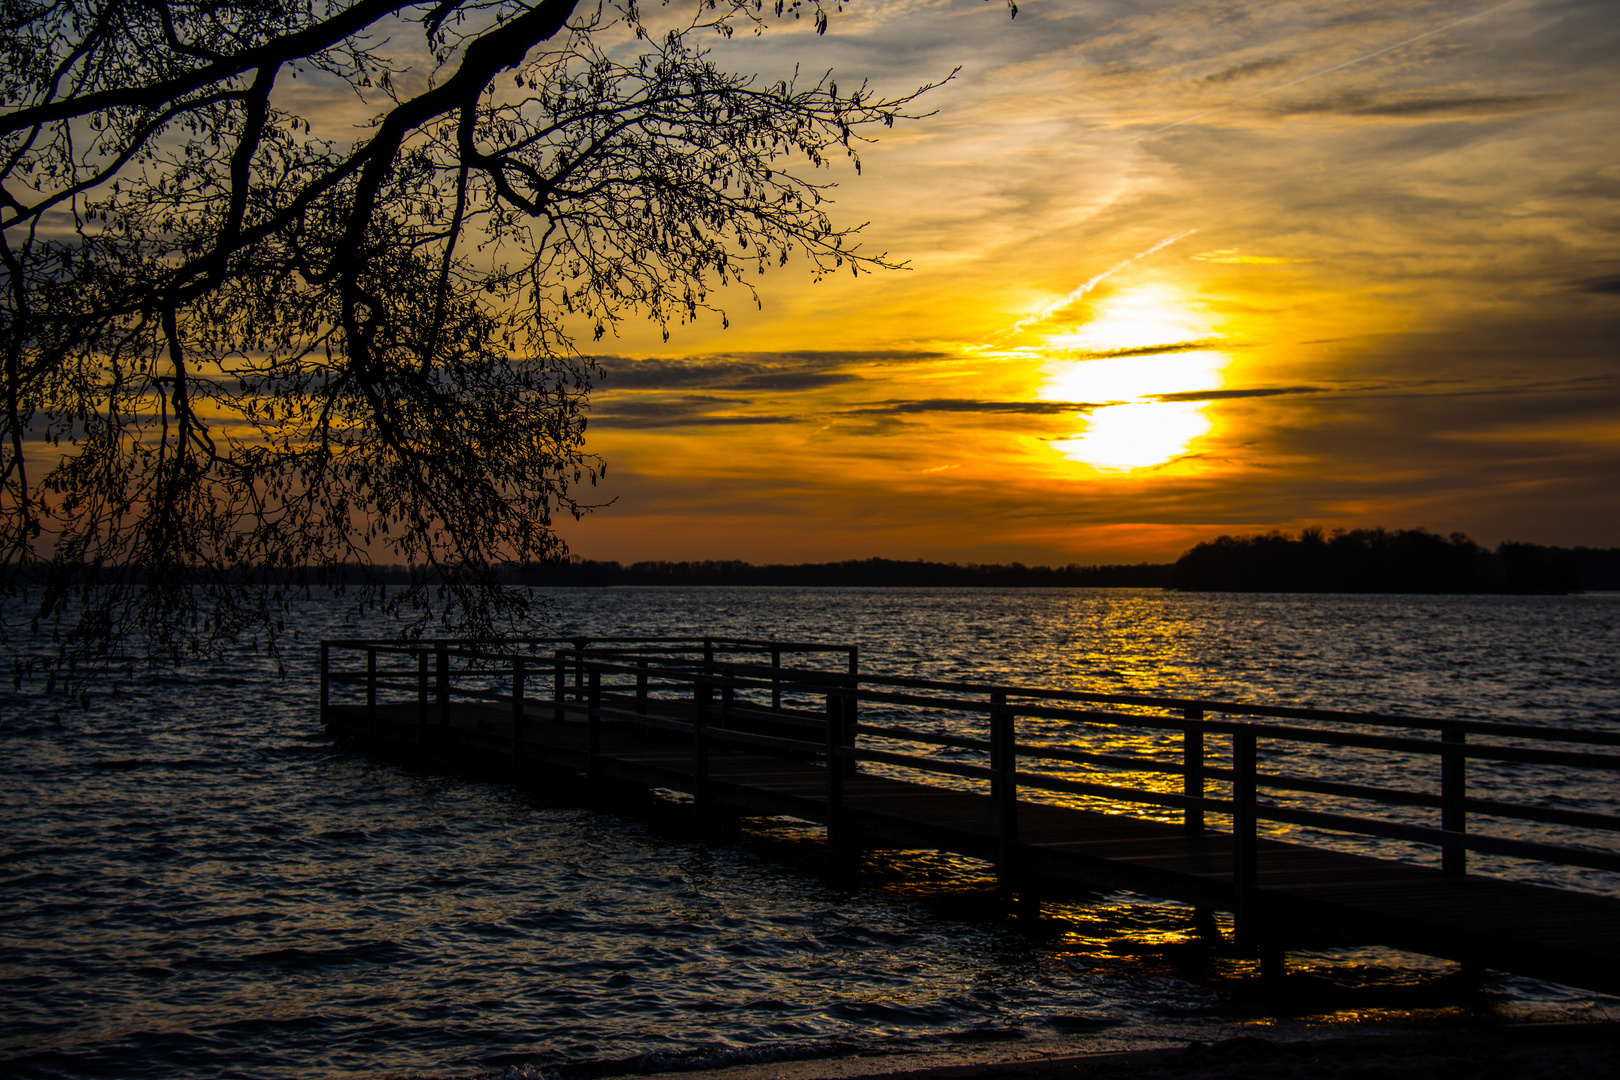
column 842, row 685
column 1446, row 839
column 819, row 677
column 697, row 641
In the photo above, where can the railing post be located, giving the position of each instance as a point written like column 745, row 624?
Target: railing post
column 641, row 686
column 421, row 697
column 326, row 677
column 776, row 676
column 593, row 722
column 700, row 742
column 1245, row 839
column 835, row 773
column 559, row 686
column 517, row 705
column 444, row 686
column 852, row 707
column 1192, row 766
column 1453, row 790
column 579, row 667
column 1004, row 786
column 371, row 684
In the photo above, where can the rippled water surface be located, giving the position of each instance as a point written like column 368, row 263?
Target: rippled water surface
column 197, row 883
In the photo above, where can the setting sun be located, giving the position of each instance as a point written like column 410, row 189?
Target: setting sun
column 1130, row 363
column 1125, row 437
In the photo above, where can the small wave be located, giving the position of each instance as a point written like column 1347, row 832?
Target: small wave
column 165, row 679
column 295, row 959
column 370, row 952
column 890, row 1013
column 277, row 1026
column 152, row 971
column 1080, row 1024
column 520, row 1067
column 31, row 853
column 233, row 918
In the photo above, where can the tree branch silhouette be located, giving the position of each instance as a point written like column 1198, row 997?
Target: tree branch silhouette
column 248, row 349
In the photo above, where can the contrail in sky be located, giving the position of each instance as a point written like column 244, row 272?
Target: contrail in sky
column 1092, row 283
column 1328, row 70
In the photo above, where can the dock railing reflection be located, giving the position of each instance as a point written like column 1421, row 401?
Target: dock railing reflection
column 1021, row 744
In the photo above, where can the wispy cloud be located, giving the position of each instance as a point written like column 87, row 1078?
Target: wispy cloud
column 1089, row 284
column 1248, row 69
column 1148, row 350
column 1428, row 107
column 1232, row 257
column 688, row 410
column 1403, row 43
column 747, row 371
column 970, row 405
column 1227, row 395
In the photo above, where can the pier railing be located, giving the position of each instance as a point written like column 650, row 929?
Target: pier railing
column 1256, row 766
column 428, row 663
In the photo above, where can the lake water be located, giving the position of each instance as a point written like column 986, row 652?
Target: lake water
column 196, row 882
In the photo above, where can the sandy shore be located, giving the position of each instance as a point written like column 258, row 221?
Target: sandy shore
column 1532, row 1051
column 1547, row 1051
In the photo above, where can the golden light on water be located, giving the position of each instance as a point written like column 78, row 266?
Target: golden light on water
column 1132, row 425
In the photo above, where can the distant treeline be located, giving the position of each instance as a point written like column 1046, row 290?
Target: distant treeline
column 586, row 572
column 1378, row 561
column 889, row 573
column 1358, row 561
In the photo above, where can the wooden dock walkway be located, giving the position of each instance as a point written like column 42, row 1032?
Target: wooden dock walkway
column 727, row 737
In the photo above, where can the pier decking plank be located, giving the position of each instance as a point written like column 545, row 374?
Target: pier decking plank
column 1567, row 937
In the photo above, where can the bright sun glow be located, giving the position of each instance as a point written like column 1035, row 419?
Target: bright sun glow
column 1124, row 437
column 1131, row 427
column 1145, row 315
column 1120, row 379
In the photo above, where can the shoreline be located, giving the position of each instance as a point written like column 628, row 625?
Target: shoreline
column 1532, row 1050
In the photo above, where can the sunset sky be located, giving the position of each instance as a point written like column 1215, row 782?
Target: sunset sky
column 1176, row 269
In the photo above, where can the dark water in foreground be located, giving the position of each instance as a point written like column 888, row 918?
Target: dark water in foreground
column 195, row 882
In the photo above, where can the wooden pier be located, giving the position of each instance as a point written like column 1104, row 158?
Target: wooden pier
column 1012, row 775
